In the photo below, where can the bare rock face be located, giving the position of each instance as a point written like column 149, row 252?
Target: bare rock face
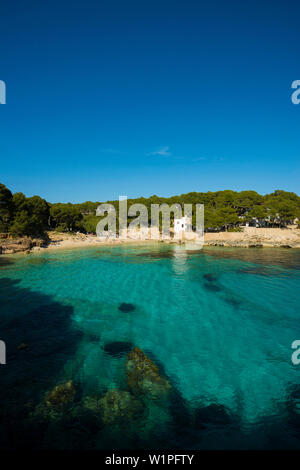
column 14, row 245
column 143, row 376
column 61, row 395
column 10, row 245
column 118, row 405
column 39, row 242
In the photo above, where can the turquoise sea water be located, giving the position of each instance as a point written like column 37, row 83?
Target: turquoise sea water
column 219, row 323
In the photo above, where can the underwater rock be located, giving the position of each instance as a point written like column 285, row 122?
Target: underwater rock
column 43, row 414
column 124, row 307
column 180, row 410
column 210, row 277
column 212, row 414
column 61, row 395
column 159, row 255
column 92, row 403
column 232, row 301
column 143, row 376
column 118, row 348
column 293, row 406
column 212, row 287
column 119, row 405
column 259, row 270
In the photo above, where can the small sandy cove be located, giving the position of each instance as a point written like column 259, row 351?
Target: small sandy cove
column 79, row 240
column 249, row 237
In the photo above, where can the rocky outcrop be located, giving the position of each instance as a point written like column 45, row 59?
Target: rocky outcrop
column 114, row 407
column 252, row 237
column 61, row 395
column 143, row 376
column 39, row 242
column 55, row 403
column 118, row 405
column 15, row 245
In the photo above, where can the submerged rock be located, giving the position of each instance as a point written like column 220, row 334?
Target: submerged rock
column 212, row 287
column 92, row 403
column 143, row 376
column 232, row 301
column 117, row 348
column 124, row 307
column 212, row 414
column 210, row 277
column 159, row 255
column 259, row 270
column 118, row 405
column 54, row 405
column 61, row 395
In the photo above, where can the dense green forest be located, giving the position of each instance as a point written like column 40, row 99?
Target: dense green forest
column 224, row 210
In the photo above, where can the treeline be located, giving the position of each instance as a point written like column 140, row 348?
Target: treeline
column 32, row 216
column 224, row 210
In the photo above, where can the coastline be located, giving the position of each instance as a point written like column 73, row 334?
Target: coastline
column 256, row 238
column 250, row 237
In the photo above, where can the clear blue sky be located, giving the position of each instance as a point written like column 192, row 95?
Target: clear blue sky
column 150, row 97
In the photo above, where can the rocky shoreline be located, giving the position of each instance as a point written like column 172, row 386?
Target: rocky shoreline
column 21, row 244
column 252, row 237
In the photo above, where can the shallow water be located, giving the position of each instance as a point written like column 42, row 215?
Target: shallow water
column 218, row 322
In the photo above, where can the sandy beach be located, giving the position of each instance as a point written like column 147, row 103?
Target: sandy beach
column 59, row 241
column 250, row 237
